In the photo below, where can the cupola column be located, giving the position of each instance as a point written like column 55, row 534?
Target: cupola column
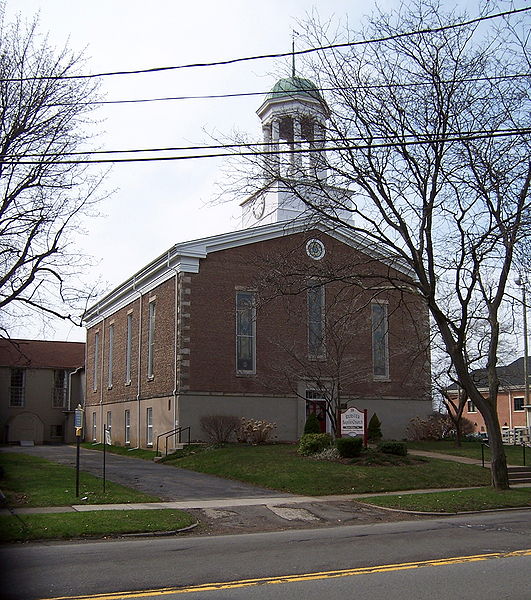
column 275, row 136
column 296, row 157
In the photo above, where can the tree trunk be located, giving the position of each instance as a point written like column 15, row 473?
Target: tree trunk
column 498, row 467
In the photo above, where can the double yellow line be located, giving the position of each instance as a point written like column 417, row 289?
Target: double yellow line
column 227, row 585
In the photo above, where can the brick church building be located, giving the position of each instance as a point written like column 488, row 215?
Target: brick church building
column 287, row 316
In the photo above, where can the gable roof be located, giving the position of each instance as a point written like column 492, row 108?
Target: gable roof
column 39, row 354
column 511, row 375
column 185, row 257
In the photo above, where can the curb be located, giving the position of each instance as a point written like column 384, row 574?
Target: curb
column 444, row 514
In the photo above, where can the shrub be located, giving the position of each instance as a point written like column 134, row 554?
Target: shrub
column 312, row 424
column 437, row 426
column 254, row 432
column 374, row 430
column 349, row 447
column 311, row 443
column 397, row 448
column 330, row 453
column 219, row 428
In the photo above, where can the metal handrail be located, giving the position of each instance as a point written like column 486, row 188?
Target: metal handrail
column 483, row 446
column 169, row 434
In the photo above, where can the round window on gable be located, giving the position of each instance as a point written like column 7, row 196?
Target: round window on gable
column 315, row 249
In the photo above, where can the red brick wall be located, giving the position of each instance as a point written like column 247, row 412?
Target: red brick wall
column 206, row 331
column 284, row 320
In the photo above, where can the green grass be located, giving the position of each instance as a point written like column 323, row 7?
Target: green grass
column 123, row 450
column 279, row 467
column 471, row 450
column 32, row 481
column 97, row 523
column 456, row 501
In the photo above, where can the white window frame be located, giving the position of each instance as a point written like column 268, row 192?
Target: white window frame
column 127, row 426
column 110, row 357
column 243, row 338
column 471, row 407
column 95, row 371
column 316, row 326
column 151, row 339
column 149, row 426
column 377, row 322
column 129, row 349
column 522, row 404
column 17, row 393
column 94, row 427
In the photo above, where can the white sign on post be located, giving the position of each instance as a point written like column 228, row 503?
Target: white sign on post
column 353, row 423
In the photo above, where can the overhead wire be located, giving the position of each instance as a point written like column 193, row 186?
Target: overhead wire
column 447, row 138
column 317, row 89
column 218, row 63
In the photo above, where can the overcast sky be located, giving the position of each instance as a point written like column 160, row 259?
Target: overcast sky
column 156, row 205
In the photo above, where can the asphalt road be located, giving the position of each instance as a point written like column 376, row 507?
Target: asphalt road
column 382, row 560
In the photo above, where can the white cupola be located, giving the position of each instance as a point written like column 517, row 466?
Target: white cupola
column 294, row 116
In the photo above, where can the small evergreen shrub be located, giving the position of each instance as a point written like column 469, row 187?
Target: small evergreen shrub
column 349, row 447
column 312, row 424
column 396, row 448
column 311, row 443
column 374, row 430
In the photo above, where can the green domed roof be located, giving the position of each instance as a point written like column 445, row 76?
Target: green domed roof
column 294, row 85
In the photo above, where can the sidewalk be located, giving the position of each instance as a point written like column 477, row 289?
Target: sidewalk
column 219, row 503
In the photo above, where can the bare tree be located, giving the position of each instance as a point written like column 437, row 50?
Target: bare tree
column 332, row 363
column 43, row 190
column 428, row 130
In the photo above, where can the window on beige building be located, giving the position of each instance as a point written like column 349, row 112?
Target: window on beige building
column 127, row 423
column 149, row 426
column 60, row 388
column 17, row 388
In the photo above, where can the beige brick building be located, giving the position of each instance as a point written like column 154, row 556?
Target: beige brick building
column 41, row 383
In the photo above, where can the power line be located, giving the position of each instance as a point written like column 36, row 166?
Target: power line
column 317, row 89
column 445, row 139
column 279, row 54
column 273, row 145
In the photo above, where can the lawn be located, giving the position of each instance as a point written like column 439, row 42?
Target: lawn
column 514, row 454
column 456, row 501
column 279, row 467
column 97, row 523
column 32, row 481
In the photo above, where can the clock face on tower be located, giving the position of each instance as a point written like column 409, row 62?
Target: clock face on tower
column 258, row 208
column 315, row 249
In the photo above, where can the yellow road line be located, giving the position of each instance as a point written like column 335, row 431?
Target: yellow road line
column 207, row 587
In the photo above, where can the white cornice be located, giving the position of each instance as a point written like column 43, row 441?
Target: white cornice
column 185, row 258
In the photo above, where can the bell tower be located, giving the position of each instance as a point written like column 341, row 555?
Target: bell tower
column 293, row 117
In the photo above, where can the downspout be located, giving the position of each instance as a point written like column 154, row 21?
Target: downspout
column 70, row 388
column 138, row 369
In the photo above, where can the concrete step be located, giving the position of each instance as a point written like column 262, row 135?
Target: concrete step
column 519, row 474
